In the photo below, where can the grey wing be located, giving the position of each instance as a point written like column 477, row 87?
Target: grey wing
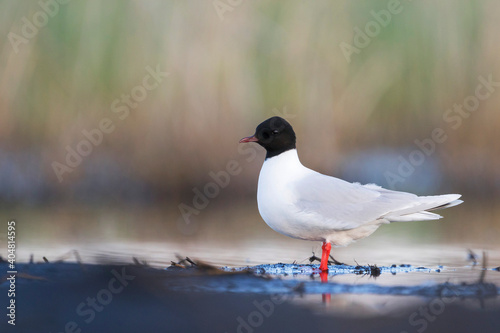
column 347, row 205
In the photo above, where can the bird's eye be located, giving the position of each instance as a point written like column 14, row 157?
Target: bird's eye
column 275, row 131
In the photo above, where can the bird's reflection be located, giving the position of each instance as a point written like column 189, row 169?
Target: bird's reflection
column 324, row 279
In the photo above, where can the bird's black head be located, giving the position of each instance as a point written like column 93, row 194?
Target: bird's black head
column 275, row 134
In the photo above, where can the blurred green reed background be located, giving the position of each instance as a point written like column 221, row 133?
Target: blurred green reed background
column 232, row 64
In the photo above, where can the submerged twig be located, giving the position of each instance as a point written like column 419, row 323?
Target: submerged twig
column 483, row 271
column 174, row 264
column 182, row 261
column 190, row 261
column 313, row 258
column 374, row 271
column 472, row 257
column 335, row 261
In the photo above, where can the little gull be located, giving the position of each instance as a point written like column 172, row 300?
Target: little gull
column 301, row 203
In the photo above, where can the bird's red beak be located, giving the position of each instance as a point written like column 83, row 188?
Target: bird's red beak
column 249, row 139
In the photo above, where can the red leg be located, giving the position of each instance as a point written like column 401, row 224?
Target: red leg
column 325, row 255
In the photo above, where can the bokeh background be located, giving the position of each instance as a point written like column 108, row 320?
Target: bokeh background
column 231, row 65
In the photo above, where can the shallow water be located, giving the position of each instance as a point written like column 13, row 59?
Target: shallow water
column 412, row 284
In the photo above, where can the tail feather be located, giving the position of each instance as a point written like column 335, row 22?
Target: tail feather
column 419, row 211
column 448, row 205
column 420, row 216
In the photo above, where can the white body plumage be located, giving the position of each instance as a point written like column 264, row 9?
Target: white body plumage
column 301, row 203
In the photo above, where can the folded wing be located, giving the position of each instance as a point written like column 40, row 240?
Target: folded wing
column 345, row 205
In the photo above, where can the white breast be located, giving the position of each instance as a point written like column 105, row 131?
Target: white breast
column 276, row 196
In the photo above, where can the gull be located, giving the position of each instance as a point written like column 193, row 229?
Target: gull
column 301, row 203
